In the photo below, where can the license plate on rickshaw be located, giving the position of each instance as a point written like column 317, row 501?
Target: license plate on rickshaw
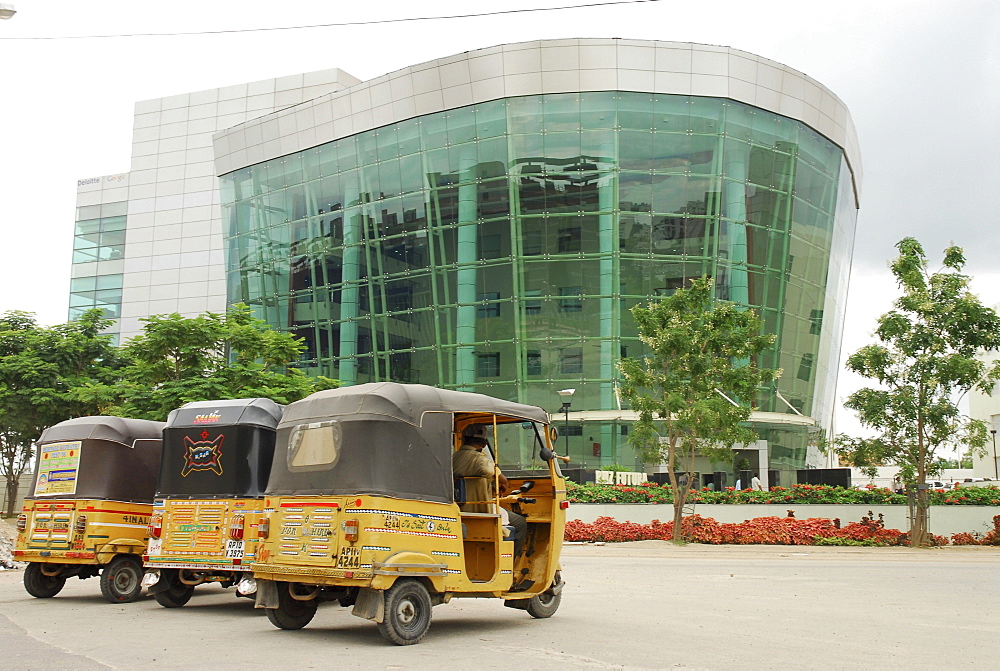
column 350, row 557
column 234, row 549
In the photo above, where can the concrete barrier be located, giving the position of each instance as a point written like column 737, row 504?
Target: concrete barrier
column 944, row 520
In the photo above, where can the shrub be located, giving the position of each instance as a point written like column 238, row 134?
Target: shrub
column 649, row 492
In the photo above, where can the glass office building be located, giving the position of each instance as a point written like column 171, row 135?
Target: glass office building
column 497, row 246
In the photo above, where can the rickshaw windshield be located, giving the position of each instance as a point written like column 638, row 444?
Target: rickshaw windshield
column 516, row 443
column 383, row 439
column 98, row 457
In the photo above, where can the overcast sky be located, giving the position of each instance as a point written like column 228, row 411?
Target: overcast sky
column 921, row 78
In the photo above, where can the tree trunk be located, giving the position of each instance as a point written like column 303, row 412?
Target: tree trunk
column 680, row 496
column 919, row 535
column 13, row 483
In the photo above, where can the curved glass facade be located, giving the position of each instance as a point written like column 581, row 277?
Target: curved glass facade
column 498, row 247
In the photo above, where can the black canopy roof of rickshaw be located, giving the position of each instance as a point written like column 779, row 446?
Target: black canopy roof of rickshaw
column 403, row 402
column 241, row 429
column 397, row 439
column 119, row 458
column 246, row 411
column 101, row 427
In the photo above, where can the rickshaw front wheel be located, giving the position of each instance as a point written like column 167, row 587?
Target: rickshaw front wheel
column 39, row 585
column 291, row 613
column 407, row 613
column 544, row 605
column 121, row 580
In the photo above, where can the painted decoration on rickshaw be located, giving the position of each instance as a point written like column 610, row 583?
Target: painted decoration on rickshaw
column 58, row 466
column 203, row 455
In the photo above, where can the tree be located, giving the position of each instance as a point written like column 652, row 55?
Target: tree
column 694, row 390
column 177, row 359
column 924, row 362
column 41, row 371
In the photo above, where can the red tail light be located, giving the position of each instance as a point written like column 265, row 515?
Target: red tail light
column 81, row 523
column 155, row 526
column 236, row 528
column 350, row 528
column 563, row 505
column 22, row 522
column 263, row 527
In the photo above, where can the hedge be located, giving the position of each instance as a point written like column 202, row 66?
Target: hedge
column 649, row 492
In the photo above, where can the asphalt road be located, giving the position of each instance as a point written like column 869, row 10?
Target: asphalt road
column 639, row 605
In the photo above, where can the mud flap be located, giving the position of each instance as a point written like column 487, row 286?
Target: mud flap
column 267, row 594
column 370, row 604
column 161, row 585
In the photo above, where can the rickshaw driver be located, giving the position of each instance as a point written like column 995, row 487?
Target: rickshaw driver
column 470, row 462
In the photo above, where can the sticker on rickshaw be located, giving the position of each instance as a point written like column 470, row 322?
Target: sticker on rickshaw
column 350, row 557
column 57, row 468
column 234, row 549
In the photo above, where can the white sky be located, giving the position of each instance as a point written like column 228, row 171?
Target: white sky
column 921, row 78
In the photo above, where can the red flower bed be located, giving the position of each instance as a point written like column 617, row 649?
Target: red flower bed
column 990, row 538
column 758, row 531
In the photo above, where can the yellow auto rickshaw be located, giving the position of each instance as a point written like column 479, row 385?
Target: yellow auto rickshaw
column 88, row 513
column 362, row 507
column 216, row 459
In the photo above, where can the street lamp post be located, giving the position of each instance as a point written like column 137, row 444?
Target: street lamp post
column 566, row 395
column 996, row 468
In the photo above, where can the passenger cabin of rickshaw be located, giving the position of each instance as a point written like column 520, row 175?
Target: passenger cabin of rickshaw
column 362, row 493
column 95, row 478
column 216, row 460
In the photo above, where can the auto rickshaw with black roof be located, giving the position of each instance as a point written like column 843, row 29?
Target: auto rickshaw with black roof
column 362, row 507
column 209, row 496
column 88, row 513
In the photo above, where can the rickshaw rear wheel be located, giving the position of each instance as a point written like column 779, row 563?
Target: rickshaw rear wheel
column 544, row 605
column 176, row 595
column 291, row 613
column 121, row 579
column 407, row 613
column 39, row 585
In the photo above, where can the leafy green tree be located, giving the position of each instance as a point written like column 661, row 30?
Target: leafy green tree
column 924, row 362
column 177, row 359
column 693, row 391
column 41, row 371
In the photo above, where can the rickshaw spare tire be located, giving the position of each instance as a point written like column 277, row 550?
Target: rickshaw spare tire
column 121, row 579
column 407, row 612
column 291, row 613
column 40, row 585
column 176, row 595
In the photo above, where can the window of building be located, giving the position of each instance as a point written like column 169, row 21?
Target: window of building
column 806, row 367
column 534, row 362
column 532, row 305
column 573, row 304
column 491, row 309
column 489, row 246
column 399, row 297
column 98, row 291
column 571, row 361
column 570, row 239
column 816, row 322
column 531, row 243
column 99, row 239
column 488, row 364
